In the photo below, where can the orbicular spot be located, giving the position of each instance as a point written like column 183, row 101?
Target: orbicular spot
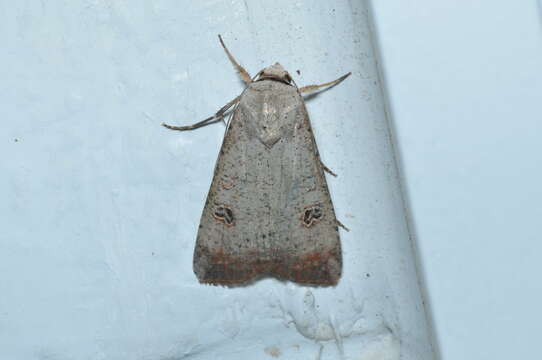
column 227, row 185
column 311, row 214
column 224, row 214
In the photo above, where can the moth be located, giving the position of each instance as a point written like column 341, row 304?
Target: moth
column 268, row 212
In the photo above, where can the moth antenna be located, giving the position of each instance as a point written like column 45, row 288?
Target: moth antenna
column 244, row 74
column 311, row 88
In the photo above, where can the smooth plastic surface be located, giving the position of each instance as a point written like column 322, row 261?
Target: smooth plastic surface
column 465, row 87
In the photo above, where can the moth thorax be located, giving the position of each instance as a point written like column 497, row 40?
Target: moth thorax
column 275, row 72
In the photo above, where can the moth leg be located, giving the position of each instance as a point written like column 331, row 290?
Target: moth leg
column 244, row 74
column 342, row 225
column 210, row 120
column 326, row 169
column 311, row 88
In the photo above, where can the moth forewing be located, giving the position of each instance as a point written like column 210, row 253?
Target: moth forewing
column 268, row 211
column 269, row 176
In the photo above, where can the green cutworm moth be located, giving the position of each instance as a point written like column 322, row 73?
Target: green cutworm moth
column 268, row 211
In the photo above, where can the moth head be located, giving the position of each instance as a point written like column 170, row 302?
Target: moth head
column 275, row 72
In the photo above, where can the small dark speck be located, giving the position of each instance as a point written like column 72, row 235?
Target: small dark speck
column 298, row 72
column 16, row 140
column 152, row 253
column 368, row 275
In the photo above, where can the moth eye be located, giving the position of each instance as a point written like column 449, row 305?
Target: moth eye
column 224, row 214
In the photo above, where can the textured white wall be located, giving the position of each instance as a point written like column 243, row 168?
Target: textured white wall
column 465, row 88
column 100, row 205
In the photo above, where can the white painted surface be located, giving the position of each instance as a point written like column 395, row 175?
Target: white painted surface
column 100, row 205
column 465, row 86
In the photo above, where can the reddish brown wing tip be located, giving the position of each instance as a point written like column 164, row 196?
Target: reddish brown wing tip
column 219, row 268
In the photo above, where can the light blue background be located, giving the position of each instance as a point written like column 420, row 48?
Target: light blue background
column 465, row 86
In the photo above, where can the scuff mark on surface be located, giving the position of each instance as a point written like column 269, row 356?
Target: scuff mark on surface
column 272, row 351
column 229, row 322
column 323, row 327
column 383, row 347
